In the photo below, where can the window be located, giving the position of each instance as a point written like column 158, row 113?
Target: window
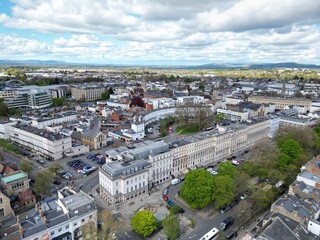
column 82, row 220
column 1, row 212
column 52, row 233
column 90, row 217
column 67, row 226
column 60, row 229
column 75, row 224
column 116, row 183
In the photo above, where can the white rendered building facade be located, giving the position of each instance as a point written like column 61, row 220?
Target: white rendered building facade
column 45, row 143
column 167, row 160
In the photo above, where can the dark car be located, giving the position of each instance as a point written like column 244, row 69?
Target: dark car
column 225, row 209
column 56, row 182
column 226, row 223
column 231, row 234
column 181, row 210
column 234, row 203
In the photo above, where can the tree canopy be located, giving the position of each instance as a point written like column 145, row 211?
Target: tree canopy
column 171, row 227
column 223, row 191
column 197, row 188
column 144, row 223
column 26, row 166
column 42, row 180
column 226, row 169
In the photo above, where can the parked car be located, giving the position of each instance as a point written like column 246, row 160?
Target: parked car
column 165, row 197
column 166, row 191
column 181, row 210
column 170, row 203
column 225, row 209
column 226, row 223
column 231, row 234
column 56, row 182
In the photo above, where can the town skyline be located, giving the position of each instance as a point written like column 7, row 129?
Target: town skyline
column 167, row 33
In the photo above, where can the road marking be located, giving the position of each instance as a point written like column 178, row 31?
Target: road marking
column 193, row 236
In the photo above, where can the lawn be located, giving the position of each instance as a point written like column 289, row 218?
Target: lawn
column 187, row 129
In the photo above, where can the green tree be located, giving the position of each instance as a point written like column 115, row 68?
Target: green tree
column 291, row 148
column 226, row 169
column 42, row 180
column 57, row 102
column 242, row 182
column 223, row 191
column 108, row 225
column 89, row 230
column 197, row 188
column 171, row 227
column 175, row 209
column 219, row 117
column 263, row 197
column 144, row 223
column 284, row 160
column 26, row 167
column 105, row 95
column 4, row 110
column 201, row 87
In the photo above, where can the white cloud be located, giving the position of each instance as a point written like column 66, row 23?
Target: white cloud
column 207, row 31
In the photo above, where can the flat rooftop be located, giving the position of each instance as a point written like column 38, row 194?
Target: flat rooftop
column 41, row 132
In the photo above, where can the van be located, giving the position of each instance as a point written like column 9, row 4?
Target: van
column 175, row 181
column 226, row 223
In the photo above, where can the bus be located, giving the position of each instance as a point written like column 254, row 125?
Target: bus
column 213, row 234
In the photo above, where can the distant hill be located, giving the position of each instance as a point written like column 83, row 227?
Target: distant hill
column 258, row 66
column 32, row 63
column 22, row 63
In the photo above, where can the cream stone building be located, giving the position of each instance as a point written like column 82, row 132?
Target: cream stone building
column 87, row 93
column 148, row 164
column 281, row 103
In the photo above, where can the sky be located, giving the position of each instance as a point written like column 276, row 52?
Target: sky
column 161, row 32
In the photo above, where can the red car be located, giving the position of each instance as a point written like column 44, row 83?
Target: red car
column 165, row 197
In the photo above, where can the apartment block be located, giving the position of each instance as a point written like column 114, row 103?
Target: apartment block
column 87, row 93
column 47, row 144
column 60, row 218
column 281, row 103
column 129, row 171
